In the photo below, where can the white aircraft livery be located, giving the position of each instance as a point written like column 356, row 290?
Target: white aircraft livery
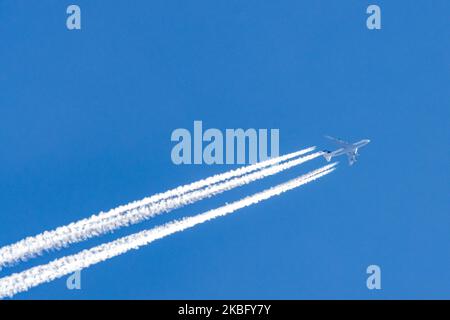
column 350, row 149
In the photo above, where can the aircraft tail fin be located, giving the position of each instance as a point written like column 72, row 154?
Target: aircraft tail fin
column 327, row 155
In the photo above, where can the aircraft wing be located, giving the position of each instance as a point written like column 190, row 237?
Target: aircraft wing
column 338, row 141
column 351, row 158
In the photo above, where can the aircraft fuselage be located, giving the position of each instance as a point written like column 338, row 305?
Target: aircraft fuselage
column 350, row 149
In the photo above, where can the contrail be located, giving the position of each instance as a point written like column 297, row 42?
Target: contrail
column 138, row 211
column 35, row 276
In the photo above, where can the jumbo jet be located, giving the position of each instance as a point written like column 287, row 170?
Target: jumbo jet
column 350, row 149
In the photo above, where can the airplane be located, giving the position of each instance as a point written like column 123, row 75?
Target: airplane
column 350, row 149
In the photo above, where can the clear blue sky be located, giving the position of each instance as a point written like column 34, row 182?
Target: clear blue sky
column 86, row 118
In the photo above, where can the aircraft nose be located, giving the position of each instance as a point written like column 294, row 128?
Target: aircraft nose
column 367, row 140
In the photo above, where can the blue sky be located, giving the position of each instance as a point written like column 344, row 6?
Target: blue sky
column 86, row 118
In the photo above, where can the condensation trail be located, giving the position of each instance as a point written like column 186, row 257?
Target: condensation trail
column 35, row 276
column 138, row 211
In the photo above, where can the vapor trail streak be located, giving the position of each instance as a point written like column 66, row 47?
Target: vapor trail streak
column 138, row 211
column 35, row 276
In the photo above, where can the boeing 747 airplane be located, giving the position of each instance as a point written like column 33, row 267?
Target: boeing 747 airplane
column 350, row 149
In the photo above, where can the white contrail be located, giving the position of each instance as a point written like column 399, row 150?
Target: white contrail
column 138, row 211
column 35, row 276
